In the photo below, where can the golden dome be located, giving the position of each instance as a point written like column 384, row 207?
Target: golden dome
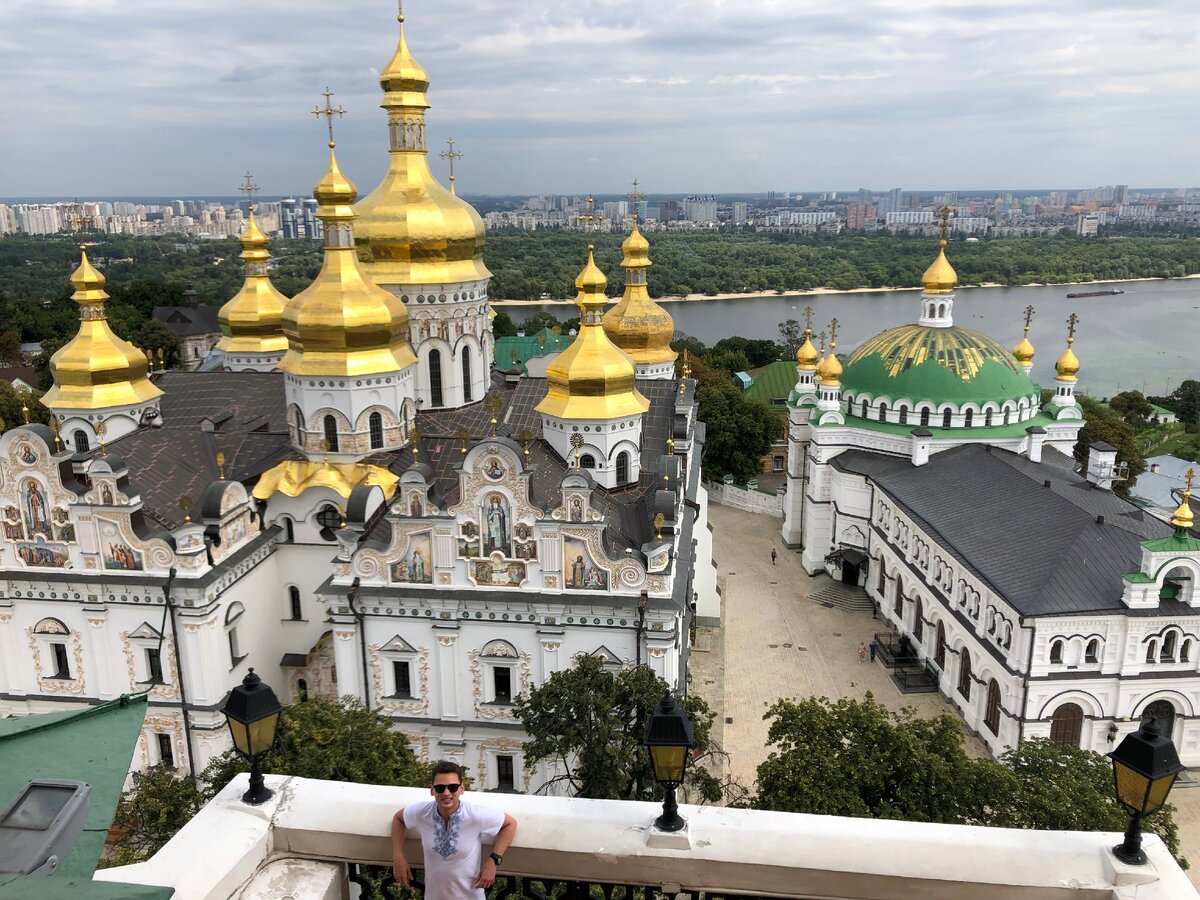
column 1067, row 366
column 637, row 324
column 829, row 373
column 940, row 278
column 96, row 369
column 293, row 477
column 251, row 322
column 1183, row 517
column 807, row 356
column 343, row 324
column 1024, row 350
column 592, row 378
column 411, row 230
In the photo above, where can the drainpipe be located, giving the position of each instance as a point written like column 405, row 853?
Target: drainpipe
column 360, row 616
column 183, row 700
column 1028, row 671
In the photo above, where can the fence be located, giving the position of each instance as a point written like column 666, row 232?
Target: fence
column 746, row 498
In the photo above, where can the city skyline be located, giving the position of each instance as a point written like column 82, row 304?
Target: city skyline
column 546, row 97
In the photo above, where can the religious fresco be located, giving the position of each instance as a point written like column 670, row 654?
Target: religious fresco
column 579, row 571
column 496, row 517
column 415, row 508
column 13, row 529
column 576, row 510
column 106, row 495
column 36, row 512
column 117, row 553
column 416, row 566
column 497, row 572
column 524, row 544
column 63, row 529
column 468, row 540
column 43, row 555
column 27, row 455
column 493, row 469
column 235, row 530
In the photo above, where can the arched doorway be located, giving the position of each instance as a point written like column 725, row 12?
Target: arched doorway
column 1164, row 712
column 1066, row 726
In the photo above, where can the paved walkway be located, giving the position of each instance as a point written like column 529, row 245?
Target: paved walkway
column 776, row 643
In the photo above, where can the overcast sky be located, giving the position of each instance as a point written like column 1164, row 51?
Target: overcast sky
column 162, row 97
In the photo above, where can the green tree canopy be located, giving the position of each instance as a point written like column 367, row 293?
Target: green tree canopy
column 1102, row 423
column 154, row 335
column 590, row 722
column 1132, row 406
column 1187, row 402
column 738, row 430
column 149, row 814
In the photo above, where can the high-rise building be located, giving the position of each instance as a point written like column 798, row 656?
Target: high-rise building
column 741, row 212
column 861, row 216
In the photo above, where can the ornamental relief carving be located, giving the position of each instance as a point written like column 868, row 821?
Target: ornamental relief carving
column 488, row 711
column 413, row 706
column 447, row 640
column 50, row 684
column 627, row 573
column 501, row 745
column 168, row 691
column 473, row 484
column 163, row 725
column 374, row 563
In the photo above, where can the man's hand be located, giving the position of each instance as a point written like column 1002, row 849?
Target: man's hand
column 487, row 875
column 402, row 873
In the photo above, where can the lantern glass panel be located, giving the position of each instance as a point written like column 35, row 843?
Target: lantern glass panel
column 1132, row 786
column 241, row 736
column 262, row 734
column 1158, row 793
column 668, row 763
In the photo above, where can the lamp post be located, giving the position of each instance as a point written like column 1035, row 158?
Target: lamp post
column 253, row 713
column 1145, row 766
column 668, row 740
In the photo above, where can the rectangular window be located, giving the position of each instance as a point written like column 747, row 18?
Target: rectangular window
column 62, row 668
column 504, row 774
column 153, row 666
column 777, row 464
column 166, row 751
column 502, row 681
column 401, row 673
column 235, row 655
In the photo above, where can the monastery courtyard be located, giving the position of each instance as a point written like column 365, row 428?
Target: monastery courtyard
column 777, row 643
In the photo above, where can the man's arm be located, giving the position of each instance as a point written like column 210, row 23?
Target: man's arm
column 487, row 872
column 400, row 868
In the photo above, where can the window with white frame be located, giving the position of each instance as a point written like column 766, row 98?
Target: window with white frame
column 55, row 639
column 166, row 750
column 400, row 657
column 500, row 658
column 146, row 647
column 506, row 779
column 234, row 613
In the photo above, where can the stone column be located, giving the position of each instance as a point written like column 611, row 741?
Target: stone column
column 345, row 657
column 99, row 652
column 447, row 670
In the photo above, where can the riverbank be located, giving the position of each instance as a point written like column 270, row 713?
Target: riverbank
column 818, row 292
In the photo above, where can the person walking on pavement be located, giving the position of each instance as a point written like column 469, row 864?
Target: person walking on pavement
column 862, row 652
column 872, row 648
column 773, row 555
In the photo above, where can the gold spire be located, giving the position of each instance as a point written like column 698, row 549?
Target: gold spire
column 940, row 278
column 1024, row 349
column 411, row 230
column 807, row 356
column 1068, row 364
column 251, row 322
column 592, row 378
column 1183, row 518
column 830, row 371
column 96, row 369
column 343, row 324
column 637, row 324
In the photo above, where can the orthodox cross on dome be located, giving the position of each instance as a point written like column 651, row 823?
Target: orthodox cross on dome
column 945, row 211
column 249, row 188
column 101, row 431
column 576, row 443
column 451, row 154
column 414, row 437
column 400, row 11
column 635, row 197
column 833, row 330
column 1028, row 318
column 328, row 112
column 592, row 217
column 56, row 427
column 821, row 338
column 1072, row 322
column 1187, row 481
column 808, row 317
column 493, row 404
column 185, row 504
column 463, row 437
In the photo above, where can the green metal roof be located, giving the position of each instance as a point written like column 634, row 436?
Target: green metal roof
column 773, row 382
column 528, row 347
column 1173, row 544
column 1015, row 429
column 94, row 745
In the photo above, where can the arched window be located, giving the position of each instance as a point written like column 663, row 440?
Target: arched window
column 1007, row 413
column 898, row 609
column 925, row 418
column 435, row 377
column 992, row 717
column 82, row 444
column 587, row 461
column 968, row 418
column 903, row 415
column 1066, row 725
column 864, row 409
column 466, row 374
column 941, row 310
column 329, row 520
column 1152, row 652
column 302, row 690
column 946, row 419
column 882, row 412
column 987, row 418
column 623, row 467
column 1185, row 651
column 1092, row 653
column 331, row 434
column 939, row 655
column 964, row 674
column 918, row 623
column 1168, row 647
column 881, row 583
column 1164, row 713
column 299, row 428
column 375, row 426
column 1056, row 651
column 289, row 531
column 294, row 604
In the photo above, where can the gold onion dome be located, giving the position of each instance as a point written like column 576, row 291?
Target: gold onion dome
column 637, row 324
column 343, row 324
column 96, row 369
column 1183, row 517
column 411, row 230
column 592, row 378
column 829, row 372
column 807, row 356
column 252, row 321
column 940, row 278
column 1024, row 350
column 1067, row 366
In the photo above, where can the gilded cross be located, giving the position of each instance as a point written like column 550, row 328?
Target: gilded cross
column 592, row 216
column 400, row 11
column 576, row 443
column 450, row 155
column 1187, row 479
column 462, row 436
column 101, row 431
column 493, row 405
column 414, row 437
column 1028, row 319
column 833, row 330
column 221, row 465
column 822, row 339
column 946, row 210
column 1072, row 322
column 56, row 427
column 635, row 197
column 328, row 112
column 526, row 439
column 185, row 504
column 808, row 317
column 659, row 521
column 249, row 188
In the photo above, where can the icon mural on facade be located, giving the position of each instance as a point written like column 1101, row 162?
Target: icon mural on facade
column 44, row 555
column 579, row 572
column 416, row 566
column 493, row 470
column 496, row 525
column 117, row 552
column 37, row 518
column 498, row 572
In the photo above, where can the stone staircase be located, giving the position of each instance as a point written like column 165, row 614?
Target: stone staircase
column 832, row 593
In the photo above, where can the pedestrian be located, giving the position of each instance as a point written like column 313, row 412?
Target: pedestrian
column 872, row 648
column 862, row 652
column 773, row 555
column 452, row 831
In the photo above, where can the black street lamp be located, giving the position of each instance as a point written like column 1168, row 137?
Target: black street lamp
column 253, row 713
column 1145, row 766
column 669, row 740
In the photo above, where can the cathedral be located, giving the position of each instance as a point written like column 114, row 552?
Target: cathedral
column 929, row 469
column 360, row 503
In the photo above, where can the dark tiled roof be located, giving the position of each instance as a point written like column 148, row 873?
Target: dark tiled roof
column 241, row 414
column 187, row 321
column 1040, row 547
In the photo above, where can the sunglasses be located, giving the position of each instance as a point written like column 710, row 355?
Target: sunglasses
column 442, row 788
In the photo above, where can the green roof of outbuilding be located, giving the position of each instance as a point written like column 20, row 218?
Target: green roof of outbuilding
column 773, row 382
column 528, row 347
column 93, row 745
column 942, row 365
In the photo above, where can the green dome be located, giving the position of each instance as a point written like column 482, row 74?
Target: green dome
column 942, row 365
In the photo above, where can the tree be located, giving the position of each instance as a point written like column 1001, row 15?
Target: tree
column 154, row 335
column 791, row 336
column 10, row 348
column 590, row 722
column 341, row 741
column 739, row 431
column 1132, row 407
column 41, row 362
column 1187, row 402
column 1103, row 424
column 149, row 814
column 14, row 403
column 502, row 325
column 757, row 353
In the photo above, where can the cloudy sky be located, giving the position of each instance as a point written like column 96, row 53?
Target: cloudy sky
column 161, row 97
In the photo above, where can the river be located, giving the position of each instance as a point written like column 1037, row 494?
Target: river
column 1144, row 339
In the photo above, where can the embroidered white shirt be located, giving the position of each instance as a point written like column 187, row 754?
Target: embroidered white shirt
column 453, row 850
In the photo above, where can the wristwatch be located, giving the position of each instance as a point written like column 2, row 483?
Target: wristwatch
column 496, row 858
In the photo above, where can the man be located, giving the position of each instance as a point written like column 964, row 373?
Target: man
column 773, row 555
column 451, row 832
column 872, row 649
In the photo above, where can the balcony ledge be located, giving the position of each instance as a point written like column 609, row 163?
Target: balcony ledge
column 230, row 847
